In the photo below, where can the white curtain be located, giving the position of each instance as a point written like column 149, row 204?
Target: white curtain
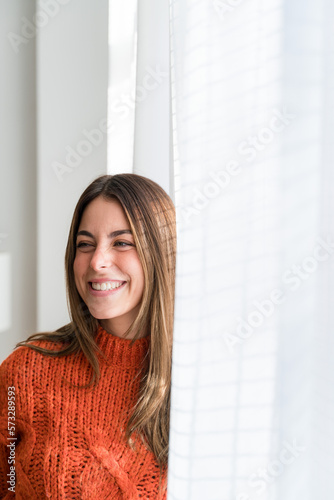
column 253, row 372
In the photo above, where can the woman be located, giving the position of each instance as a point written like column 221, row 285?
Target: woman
column 92, row 398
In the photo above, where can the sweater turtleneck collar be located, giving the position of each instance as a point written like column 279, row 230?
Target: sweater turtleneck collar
column 122, row 352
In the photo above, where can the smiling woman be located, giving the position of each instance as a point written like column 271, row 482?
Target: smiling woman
column 108, row 273
column 93, row 397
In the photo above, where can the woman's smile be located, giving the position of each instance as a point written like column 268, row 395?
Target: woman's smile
column 105, row 287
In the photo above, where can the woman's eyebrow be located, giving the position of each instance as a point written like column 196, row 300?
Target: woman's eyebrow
column 111, row 235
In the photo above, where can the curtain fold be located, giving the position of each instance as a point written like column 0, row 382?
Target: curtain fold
column 252, row 110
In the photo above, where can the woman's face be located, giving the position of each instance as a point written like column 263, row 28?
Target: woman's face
column 106, row 257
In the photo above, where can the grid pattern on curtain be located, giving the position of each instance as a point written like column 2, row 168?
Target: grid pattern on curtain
column 251, row 385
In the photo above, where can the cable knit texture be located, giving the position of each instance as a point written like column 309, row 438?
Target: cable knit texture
column 71, row 441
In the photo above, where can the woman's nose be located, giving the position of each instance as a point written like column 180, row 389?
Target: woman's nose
column 101, row 259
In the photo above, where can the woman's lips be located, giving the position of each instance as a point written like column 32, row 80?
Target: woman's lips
column 103, row 293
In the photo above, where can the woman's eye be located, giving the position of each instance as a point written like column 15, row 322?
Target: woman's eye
column 82, row 244
column 123, row 244
column 120, row 244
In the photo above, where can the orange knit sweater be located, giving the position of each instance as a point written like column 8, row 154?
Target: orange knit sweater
column 71, row 441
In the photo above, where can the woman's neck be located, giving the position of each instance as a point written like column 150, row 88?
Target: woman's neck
column 118, row 329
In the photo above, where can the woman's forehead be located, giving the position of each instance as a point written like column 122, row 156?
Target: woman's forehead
column 104, row 213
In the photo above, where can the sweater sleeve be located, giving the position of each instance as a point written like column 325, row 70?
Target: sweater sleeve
column 7, row 431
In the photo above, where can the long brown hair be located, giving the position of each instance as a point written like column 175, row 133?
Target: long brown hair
column 151, row 216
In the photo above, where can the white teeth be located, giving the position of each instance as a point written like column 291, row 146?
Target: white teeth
column 108, row 285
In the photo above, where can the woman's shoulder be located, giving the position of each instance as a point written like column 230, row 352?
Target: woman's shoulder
column 26, row 374
column 29, row 357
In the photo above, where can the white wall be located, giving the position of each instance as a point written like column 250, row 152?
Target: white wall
column 65, row 64
column 72, row 61
column 18, row 173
